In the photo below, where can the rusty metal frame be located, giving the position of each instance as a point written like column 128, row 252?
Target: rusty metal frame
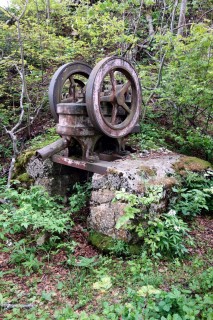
column 96, row 167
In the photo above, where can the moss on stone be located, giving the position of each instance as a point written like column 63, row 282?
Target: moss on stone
column 24, row 178
column 191, row 164
column 147, row 171
column 165, row 182
column 35, row 144
column 107, row 244
column 101, row 241
column 22, row 160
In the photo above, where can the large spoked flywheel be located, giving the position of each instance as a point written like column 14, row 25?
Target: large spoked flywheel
column 68, row 85
column 113, row 97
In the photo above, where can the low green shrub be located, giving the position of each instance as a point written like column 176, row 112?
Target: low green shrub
column 190, row 142
column 163, row 235
column 151, row 303
column 193, row 195
column 80, row 196
column 32, row 211
column 166, row 235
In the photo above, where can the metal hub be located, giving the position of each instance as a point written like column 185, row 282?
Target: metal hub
column 113, row 97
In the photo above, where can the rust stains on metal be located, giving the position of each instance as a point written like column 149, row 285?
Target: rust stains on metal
column 53, row 148
column 96, row 167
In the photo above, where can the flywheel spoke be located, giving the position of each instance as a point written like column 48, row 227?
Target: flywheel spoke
column 113, row 81
column 125, row 87
column 125, row 107
column 114, row 113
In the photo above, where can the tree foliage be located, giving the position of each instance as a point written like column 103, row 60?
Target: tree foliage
column 175, row 70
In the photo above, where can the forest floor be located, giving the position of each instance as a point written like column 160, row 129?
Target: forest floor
column 78, row 282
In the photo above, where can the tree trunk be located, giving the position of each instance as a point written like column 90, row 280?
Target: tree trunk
column 150, row 24
column 48, row 9
column 181, row 22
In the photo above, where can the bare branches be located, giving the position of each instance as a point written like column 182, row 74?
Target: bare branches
column 13, row 132
column 204, row 15
column 23, row 11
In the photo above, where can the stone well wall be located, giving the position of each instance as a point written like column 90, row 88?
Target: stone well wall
column 134, row 174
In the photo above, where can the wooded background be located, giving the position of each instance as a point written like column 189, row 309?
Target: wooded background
column 169, row 42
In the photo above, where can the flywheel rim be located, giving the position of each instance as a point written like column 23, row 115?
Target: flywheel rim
column 95, row 98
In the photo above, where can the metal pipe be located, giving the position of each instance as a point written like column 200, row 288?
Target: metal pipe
column 51, row 149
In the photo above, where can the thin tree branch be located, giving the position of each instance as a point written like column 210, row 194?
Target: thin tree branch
column 173, row 15
column 159, row 78
column 204, row 15
column 13, row 132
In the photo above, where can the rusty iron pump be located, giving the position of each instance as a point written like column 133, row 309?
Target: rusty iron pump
column 95, row 109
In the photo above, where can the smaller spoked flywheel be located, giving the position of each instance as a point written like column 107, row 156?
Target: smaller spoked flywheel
column 113, row 97
column 68, row 85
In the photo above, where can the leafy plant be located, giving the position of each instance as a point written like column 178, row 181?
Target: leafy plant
column 193, row 195
column 163, row 235
column 152, row 303
column 25, row 258
column 166, row 235
column 136, row 204
column 34, row 211
column 80, row 196
column 83, row 262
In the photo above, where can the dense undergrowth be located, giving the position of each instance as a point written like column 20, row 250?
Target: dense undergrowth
column 42, row 277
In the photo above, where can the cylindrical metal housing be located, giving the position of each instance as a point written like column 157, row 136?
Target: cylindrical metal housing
column 74, row 120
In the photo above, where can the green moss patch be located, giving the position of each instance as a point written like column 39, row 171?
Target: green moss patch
column 22, row 160
column 34, row 144
column 107, row 244
column 147, row 171
column 191, row 164
column 24, row 177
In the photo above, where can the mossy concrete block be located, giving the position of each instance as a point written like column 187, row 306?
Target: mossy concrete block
column 136, row 175
column 102, row 196
column 57, row 179
column 103, row 217
column 133, row 176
